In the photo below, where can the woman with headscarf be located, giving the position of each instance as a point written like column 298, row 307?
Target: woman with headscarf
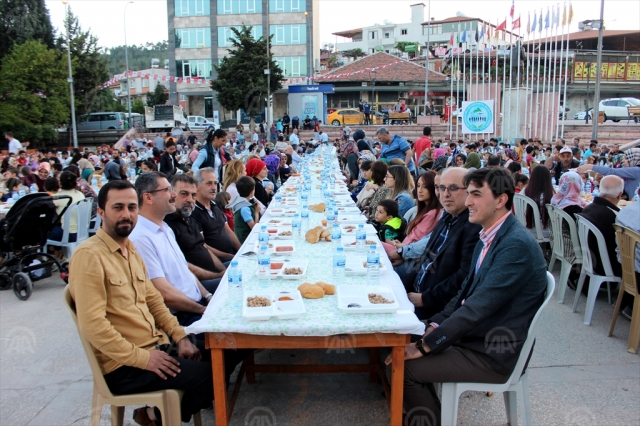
column 473, row 160
column 440, row 160
column 568, row 199
column 630, row 173
column 273, row 163
column 359, row 136
column 510, row 155
column 459, row 160
column 351, row 152
column 257, row 169
column 86, row 168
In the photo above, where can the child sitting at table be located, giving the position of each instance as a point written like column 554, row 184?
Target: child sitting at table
column 521, row 182
column 223, row 199
column 13, row 185
column 246, row 211
column 390, row 226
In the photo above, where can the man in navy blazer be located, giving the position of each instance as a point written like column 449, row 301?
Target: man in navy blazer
column 497, row 302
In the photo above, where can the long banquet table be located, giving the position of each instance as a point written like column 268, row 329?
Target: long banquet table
column 323, row 326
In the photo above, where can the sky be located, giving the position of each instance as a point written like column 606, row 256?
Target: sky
column 147, row 19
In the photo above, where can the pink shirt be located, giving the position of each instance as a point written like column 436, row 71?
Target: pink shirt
column 487, row 238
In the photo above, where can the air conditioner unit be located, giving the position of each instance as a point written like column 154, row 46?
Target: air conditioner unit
column 403, row 95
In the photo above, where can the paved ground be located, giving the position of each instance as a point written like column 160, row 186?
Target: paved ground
column 579, row 376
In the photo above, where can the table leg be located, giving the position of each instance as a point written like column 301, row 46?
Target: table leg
column 374, row 359
column 249, row 362
column 219, row 387
column 397, row 385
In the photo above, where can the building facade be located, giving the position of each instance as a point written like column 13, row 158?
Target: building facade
column 199, row 32
column 139, row 84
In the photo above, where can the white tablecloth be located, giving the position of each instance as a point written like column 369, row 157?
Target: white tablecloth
column 322, row 317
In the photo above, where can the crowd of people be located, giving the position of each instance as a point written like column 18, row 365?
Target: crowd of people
column 175, row 212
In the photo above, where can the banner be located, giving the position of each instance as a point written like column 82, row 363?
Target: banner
column 310, row 105
column 477, row 117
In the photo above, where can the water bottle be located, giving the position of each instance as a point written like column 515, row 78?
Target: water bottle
column 304, row 198
column 264, row 266
column 263, row 236
column 361, row 238
column 336, row 235
column 21, row 193
column 103, row 179
column 637, row 196
column 595, row 191
column 94, row 182
column 305, row 217
column 235, row 283
column 330, row 216
column 335, row 215
column 588, row 186
column 15, row 196
column 33, row 188
column 332, row 182
column 278, row 199
column 297, row 225
column 339, row 265
column 373, row 265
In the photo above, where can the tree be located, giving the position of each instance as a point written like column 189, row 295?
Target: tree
column 402, row 46
column 332, row 61
column 137, row 106
column 139, row 56
column 33, row 85
column 90, row 68
column 23, row 20
column 157, row 97
column 354, row 53
column 241, row 82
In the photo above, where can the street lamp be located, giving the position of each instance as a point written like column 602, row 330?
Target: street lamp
column 70, row 79
column 309, row 49
column 599, row 25
column 126, row 60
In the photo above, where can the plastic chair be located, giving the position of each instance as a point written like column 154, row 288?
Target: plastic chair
column 516, row 386
column 628, row 242
column 97, row 221
column 167, row 401
column 588, row 261
column 83, row 210
column 556, row 217
column 520, row 204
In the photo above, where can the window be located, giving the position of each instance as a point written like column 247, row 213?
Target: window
column 433, row 29
column 287, row 6
column 404, row 32
column 123, row 87
column 193, row 38
column 192, row 7
column 372, row 50
column 225, row 33
column 387, row 35
column 372, row 35
column 235, row 7
column 386, row 50
column 183, row 97
column 292, row 66
column 289, row 34
column 145, row 82
column 193, row 68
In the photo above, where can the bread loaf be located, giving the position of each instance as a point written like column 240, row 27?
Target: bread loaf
column 311, row 291
column 329, row 289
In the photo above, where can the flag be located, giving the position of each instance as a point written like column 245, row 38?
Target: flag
column 464, row 36
column 451, row 39
column 529, row 23
column 516, row 24
column 535, row 22
column 513, row 9
column 570, row 12
column 556, row 16
column 546, row 20
column 540, row 22
column 564, row 15
column 477, row 35
column 481, row 36
column 502, row 26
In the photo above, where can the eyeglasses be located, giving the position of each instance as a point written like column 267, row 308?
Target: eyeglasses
column 167, row 189
column 451, row 188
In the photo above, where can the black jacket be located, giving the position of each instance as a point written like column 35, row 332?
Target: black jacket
column 166, row 165
column 603, row 214
column 261, row 193
column 450, row 266
column 492, row 312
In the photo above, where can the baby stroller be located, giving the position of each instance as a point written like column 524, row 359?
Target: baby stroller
column 23, row 233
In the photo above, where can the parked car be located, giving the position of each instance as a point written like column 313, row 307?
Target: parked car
column 102, row 121
column 197, row 121
column 581, row 114
column 615, row 109
column 345, row 116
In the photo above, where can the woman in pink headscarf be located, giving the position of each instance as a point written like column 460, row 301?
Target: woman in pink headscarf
column 568, row 200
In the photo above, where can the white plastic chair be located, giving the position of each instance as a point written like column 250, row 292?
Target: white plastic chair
column 520, row 204
column 588, row 262
column 97, row 221
column 516, row 387
column 83, row 210
column 556, row 217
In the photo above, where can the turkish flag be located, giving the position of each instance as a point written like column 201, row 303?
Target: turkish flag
column 502, row 26
column 516, row 24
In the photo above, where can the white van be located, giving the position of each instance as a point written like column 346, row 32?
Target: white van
column 197, row 121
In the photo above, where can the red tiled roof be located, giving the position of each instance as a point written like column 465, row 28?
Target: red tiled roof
column 402, row 71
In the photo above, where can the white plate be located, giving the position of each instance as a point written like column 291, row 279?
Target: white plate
column 273, row 247
column 349, row 243
column 358, row 294
column 302, row 264
column 280, row 231
column 347, row 210
column 290, row 309
column 351, row 219
column 355, row 266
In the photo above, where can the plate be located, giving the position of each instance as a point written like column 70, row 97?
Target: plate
column 299, row 264
column 282, row 233
column 355, row 265
column 351, row 219
column 345, row 210
column 357, row 297
column 281, row 309
column 349, row 243
column 275, row 244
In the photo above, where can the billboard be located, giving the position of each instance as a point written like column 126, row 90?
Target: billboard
column 477, row 117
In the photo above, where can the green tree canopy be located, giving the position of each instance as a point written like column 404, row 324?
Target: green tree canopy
column 33, row 85
column 139, row 56
column 22, row 20
column 241, row 82
column 157, row 97
column 402, row 46
column 89, row 66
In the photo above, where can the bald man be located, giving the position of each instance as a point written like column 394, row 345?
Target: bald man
column 602, row 213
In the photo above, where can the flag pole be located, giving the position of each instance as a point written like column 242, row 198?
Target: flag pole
column 543, row 119
column 538, row 75
column 526, row 81
column 566, row 62
column 564, row 102
column 451, row 93
column 518, row 134
column 477, row 68
column 556, row 107
column 504, row 78
column 495, row 102
column 510, row 77
column 533, row 70
column 458, row 77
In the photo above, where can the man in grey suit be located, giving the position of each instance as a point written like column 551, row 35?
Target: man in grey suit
column 479, row 334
